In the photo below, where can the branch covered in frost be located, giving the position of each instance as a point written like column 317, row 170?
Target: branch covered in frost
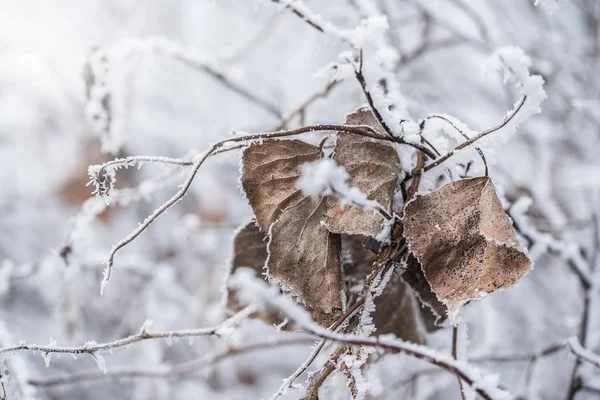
column 583, row 353
column 94, row 349
column 103, row 176
column 255, row 291
column 544, row 242
column 514, row 64
column 324, row 177
column 170, row 371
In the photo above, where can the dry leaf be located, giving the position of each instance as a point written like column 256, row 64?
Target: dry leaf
column 464, row 241
column 269, row 173
column 250, row 250
column 433, row 311
column 304, row 259
column 395, row 311
column 396, row 308
column 373, row 167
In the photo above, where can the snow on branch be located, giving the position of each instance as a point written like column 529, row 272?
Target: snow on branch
column 544, row 242
column 94, row 349
column 513, row 64
column 103, row 176
column 170, row 371
column 255, row 291
column 583, row 353
column 324, row 177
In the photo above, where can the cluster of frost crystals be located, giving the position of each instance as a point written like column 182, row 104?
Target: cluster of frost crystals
column 324, row 177
column 513, row 64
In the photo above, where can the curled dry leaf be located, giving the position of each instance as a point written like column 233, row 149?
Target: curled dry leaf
column 250, row 251
column 374, row 168
column 269, row 173
column 304, row 259
column 464, row 241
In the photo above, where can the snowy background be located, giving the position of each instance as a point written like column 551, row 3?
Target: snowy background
column 173, row 273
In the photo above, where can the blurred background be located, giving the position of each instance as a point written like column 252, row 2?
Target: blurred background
column 160, row 99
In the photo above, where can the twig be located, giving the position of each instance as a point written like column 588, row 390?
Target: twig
column 455, row 356
column 306, row 364
column 317, row 380
column 478, row 136
column 583, row 353
column 92, row 348
column 396, row 138
column 220, row 77
column 302, row 107
column 168, row 371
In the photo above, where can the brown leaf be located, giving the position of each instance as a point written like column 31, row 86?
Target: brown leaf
column 269, row 173
column 373, row 167
column 395, row 311
column 433, row 311
column 395, row 308
column 464, row 241
column 304, row 259
column 250, row 250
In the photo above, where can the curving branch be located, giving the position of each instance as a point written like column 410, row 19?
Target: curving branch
column 469, row 142
column 169, row 371
column 93, row 348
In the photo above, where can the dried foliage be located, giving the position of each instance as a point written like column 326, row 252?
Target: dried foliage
column 464, row 241
column 304, row 259
column 269, row 174
column 250, row 251
column 374, row 168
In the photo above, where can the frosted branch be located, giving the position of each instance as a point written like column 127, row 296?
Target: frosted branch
column 170, row 371
column 583, row 353
column 93, row 349
column 258, row 292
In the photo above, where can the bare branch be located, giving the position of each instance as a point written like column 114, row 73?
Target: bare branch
column 469, row 142
column 583, row 353
column 169, row 371
column 92, row 348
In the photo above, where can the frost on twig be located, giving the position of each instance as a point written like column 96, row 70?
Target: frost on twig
column 94, row 349
column 513, row 64
column 583, row 353
column 255, row 291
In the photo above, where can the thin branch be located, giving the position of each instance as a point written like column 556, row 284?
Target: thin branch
column 302, row 107
column 469, row 142
column 455, row 356
column 168, row 371
column 583, row 353
column 396, row 138
column 306, row 364
column 92, row 348
column 220, row 77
